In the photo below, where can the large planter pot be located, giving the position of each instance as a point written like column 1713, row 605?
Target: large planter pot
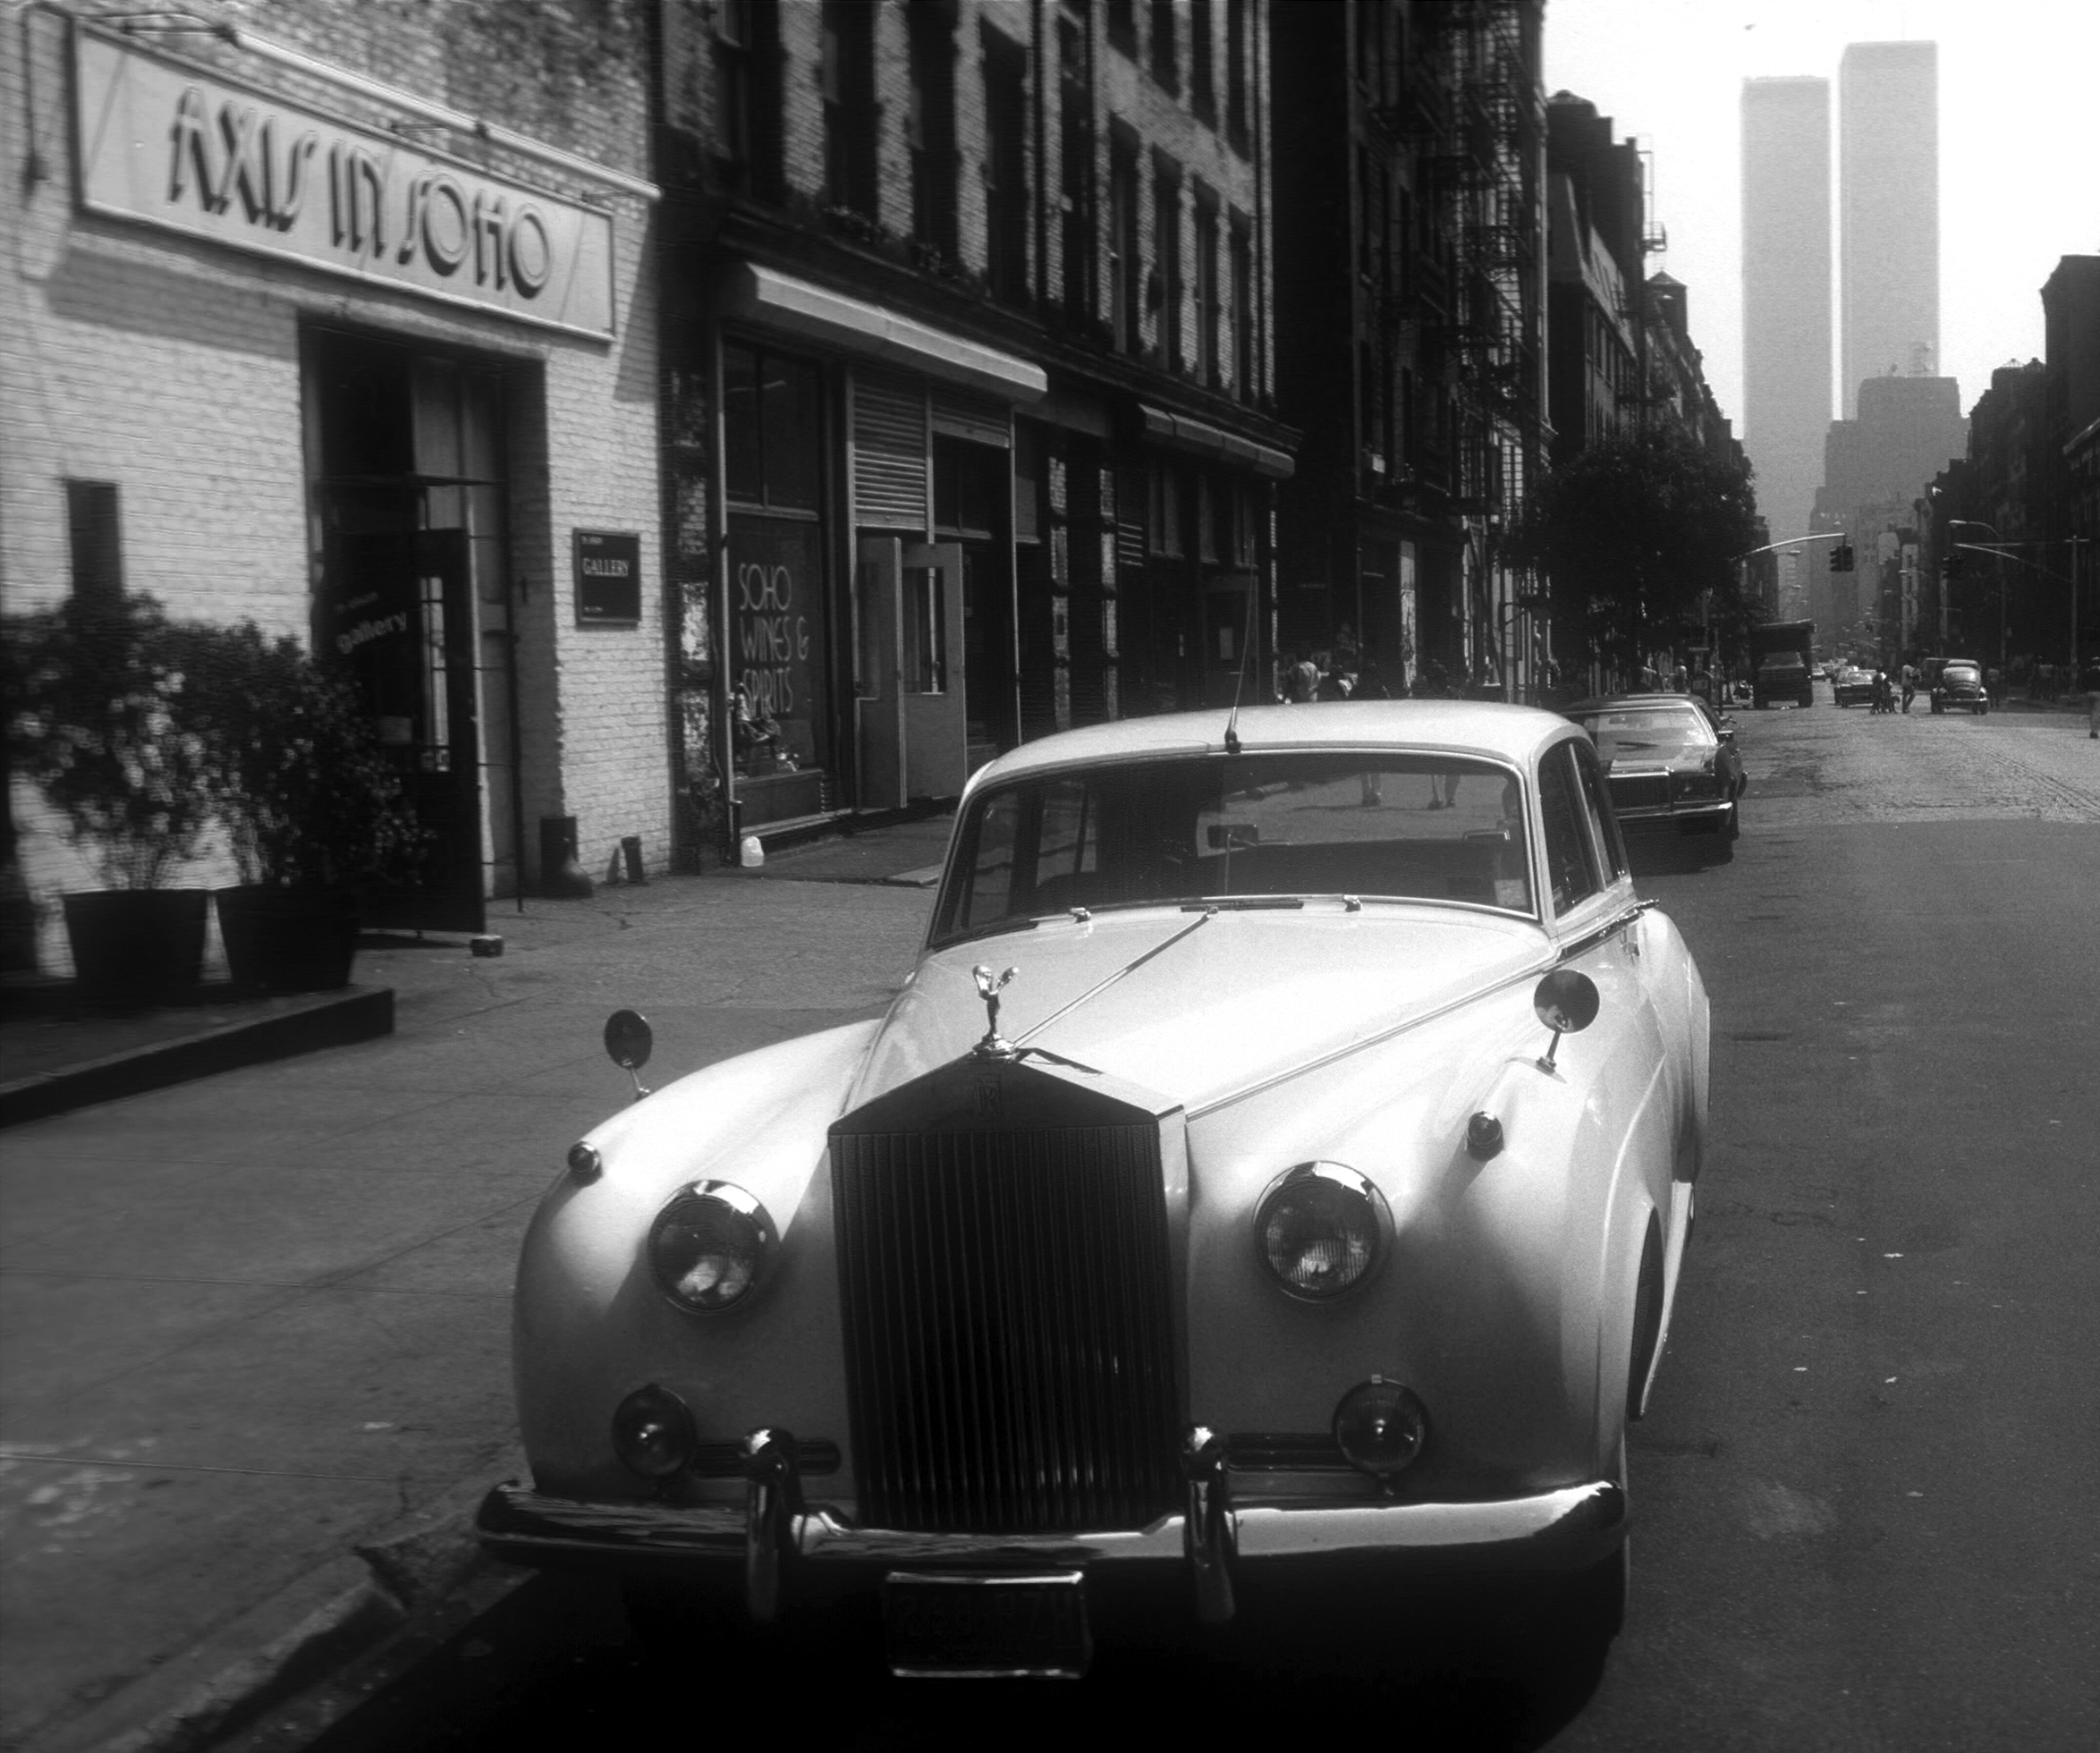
column 134, row 947
column 288, row 939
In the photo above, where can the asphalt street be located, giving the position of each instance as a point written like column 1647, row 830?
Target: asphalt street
column 1863, row 1497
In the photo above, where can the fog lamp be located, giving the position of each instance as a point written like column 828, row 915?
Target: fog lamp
column 1321, row 1229
column 710, row 1247
column 653, row 1432
column 1380, row 1427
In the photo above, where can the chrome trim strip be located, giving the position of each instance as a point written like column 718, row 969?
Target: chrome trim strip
column 520, row 1522
column 1597, row 935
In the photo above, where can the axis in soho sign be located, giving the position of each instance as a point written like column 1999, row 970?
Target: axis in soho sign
column 191, row 151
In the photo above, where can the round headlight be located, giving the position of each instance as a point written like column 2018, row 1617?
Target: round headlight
column 1321, row 1229
column 1380, row 1427
column 653, row 1432
column 710, row 1247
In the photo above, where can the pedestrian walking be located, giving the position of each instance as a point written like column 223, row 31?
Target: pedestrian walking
column 1301, row 681
column 1909, row 684
column 2089, row 681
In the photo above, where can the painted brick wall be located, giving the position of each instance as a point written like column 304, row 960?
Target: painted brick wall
column 172, row 368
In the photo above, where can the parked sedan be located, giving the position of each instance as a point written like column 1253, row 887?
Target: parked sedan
column 1672, row 767
column 1278, row 1162
column 1961, row 683
column 1853, row 687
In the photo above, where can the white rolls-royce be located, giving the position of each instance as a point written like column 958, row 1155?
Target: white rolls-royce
column 1281, row 1154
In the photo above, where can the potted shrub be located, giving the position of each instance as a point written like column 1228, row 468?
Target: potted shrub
column 314, row 811
column 101, row 718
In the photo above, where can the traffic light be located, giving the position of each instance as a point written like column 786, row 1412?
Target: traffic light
column 1841, row 557
column 1950, row 567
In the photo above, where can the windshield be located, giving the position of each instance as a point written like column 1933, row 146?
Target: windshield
column 1410, row 826
column 1655, row 733
column 1958, row 672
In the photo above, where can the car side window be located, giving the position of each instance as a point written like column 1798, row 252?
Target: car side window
column 1603, row 824
column 1571, row 866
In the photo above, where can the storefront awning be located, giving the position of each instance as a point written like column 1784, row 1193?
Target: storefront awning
column 776, row 301
column 1179, row 432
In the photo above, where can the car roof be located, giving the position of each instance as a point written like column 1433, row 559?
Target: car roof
column 1615, row 702
column 1485, row 728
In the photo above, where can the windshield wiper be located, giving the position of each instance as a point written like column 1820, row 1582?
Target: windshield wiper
column 1243, row 904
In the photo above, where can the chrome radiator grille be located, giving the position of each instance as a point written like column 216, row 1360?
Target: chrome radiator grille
column 1640, row 791
column 1008, row 1328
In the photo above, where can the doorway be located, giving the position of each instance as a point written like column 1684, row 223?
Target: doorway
column 913, row 679
column 407, row 492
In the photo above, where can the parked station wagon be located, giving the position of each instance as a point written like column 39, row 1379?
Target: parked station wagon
column 1280, row 1156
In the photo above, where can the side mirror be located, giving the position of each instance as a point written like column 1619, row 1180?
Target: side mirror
column 629, row 1042
column 1566, row 1002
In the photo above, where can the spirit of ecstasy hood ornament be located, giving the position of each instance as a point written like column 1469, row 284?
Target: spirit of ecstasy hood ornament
column 995, row 1046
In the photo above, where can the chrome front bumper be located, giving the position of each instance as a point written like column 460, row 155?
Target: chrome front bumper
column 1554, row 1530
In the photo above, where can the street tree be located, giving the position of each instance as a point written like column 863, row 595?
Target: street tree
column 1631, row 534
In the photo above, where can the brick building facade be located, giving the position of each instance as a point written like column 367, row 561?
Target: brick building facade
column 969, row 391
column 1410, row 311
column 349, row 328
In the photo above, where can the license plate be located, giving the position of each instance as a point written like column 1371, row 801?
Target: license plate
column 950, row 1624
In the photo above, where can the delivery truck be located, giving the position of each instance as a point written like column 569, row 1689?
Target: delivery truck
column 1780, row 653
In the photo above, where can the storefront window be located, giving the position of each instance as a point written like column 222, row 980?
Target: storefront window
column 742, row 453
column 773, row 419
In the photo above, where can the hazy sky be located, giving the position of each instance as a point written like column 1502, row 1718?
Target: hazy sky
column 2020, row 145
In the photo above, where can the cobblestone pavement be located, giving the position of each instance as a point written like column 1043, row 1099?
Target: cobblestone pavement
column 1827, row 767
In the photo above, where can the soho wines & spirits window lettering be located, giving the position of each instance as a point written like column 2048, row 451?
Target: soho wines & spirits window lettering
column 772, row 417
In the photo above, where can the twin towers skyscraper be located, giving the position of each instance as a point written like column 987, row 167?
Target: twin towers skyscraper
column 1889, row 254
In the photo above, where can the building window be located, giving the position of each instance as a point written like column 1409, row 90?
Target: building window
column 1242, row 271
column 1166, row 216
column 747, row 75
column 1364, row 229
column 1166, row 60
column 1202, row 90
column 1005, row 172
column 1162, row 520
column 1207, row 363
column 1076, row 168
column 1122, row 25
column 95, row 538
column 1124, row 263
column 1369, row 15
column 848, row 76
column 1236, row 73
column 929, row 128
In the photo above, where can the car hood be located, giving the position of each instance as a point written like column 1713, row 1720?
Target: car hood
column 1198, row 1007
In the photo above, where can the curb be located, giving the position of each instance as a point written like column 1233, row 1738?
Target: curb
column 350, row 1611
column 326, row 1020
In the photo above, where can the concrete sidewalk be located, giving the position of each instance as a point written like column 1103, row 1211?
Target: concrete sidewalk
column 253, row 1322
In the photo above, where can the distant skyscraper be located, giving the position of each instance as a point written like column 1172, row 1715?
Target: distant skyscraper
column 1889, row 211
column 1786, row 293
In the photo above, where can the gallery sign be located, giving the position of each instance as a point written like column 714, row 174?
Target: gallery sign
column 608, row 579
column 193, row 151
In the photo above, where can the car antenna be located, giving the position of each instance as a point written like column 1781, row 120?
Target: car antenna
column 1240, row 678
